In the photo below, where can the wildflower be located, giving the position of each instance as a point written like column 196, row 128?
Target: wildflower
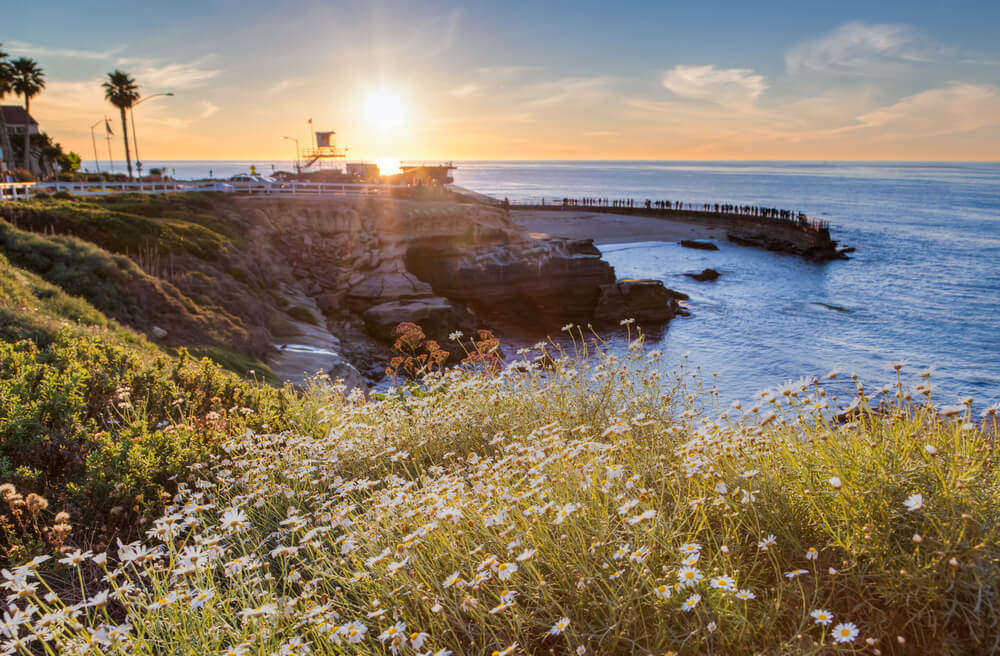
column 559, row 626
column 795, row 572
column 723, row 583
column 688, row 576
column 76, row 557
column 643, row 516
column 581, row 650
column 568, row 327
column 233, row 520
column 391, row 632
column 201, row 598
column 690, row 602
column 812, row 554
column 452, row 580
column 663, row 591
column 564, row 512
column 845, row 632
column 930, row 449
column 745, row 595
column 525, row 555
column 917, row 538
column 506, row 652
column 354, row 631
column 506, row 570
column 823, row 617
column 914, row 502
column 712, row 626
column 767, row 542
column 690, row 547
column 455, row 336
column 442, row 652
column 835, row 482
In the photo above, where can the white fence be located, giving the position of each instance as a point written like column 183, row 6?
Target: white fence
column 24, row 190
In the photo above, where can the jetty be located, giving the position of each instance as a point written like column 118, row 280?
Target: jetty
column 770, row 228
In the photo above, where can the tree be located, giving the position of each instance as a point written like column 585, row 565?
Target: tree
column 27, row 81
column 6, row 162
column 70, row 162
column 121, row 91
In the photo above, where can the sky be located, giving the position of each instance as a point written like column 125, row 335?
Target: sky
column 815, row 80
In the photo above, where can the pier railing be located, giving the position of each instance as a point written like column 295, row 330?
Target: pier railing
column 25, row 190
column 673, row 209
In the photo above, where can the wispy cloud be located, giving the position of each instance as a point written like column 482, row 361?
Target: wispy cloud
column 566, row 89
column 957, row 107
column 208, row 109
column 861, row 48
column 466, row 90
column 154, row 75
column 22, row 48
column 288, row 84
column 737, row 88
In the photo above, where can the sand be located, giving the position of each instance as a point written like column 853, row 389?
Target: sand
column 611, row 228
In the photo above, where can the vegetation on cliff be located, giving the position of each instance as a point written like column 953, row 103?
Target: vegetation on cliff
column 566, row 504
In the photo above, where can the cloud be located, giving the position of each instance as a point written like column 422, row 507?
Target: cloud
column 577, row 90
column 736, row 88
column 288, row 84
column 151, row 75
column 861, row 48
column 207, row 109
column 466, row 90
column 22, row 48
column 958, row 107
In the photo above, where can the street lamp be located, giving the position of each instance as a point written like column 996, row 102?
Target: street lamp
column 93, row 140
column 135, row 140
column 298, row 168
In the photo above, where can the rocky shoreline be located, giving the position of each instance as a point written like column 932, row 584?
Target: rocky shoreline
column 367, row 265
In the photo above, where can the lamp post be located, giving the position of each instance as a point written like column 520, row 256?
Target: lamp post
column 298, row 167
column 135, row 140
column 93, row 140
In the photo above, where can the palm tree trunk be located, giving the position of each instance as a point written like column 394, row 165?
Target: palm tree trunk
column 7, row 161
column 27, row 138
column 128, row 158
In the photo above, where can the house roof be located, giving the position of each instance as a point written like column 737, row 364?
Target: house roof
column 15, row 115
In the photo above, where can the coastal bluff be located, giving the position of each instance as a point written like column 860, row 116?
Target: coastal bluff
column 366, row 265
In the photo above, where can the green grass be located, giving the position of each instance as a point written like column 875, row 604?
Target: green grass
column 555, row 509
column 129, row 224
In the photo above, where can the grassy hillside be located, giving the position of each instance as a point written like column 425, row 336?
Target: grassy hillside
column 96, row 418
column 584, row 507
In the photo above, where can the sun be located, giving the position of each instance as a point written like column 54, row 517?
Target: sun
column 384, row 110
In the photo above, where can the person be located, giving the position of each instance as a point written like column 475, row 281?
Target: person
column 506, row 203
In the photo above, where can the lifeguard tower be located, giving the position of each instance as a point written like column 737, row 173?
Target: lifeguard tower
column 324, row 150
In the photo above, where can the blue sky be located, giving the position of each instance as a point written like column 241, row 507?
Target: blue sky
column 795, row 80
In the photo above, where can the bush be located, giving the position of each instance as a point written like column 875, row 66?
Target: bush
column 95, row 427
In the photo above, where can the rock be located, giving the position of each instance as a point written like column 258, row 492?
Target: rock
column 437, row 316
column 532, row 281
column 646, row 301
column 329, row 302
column 383, row 286
column 159, row 333
column 676, row 295
column 708, row 275
column 348, row 374
column 698, row 244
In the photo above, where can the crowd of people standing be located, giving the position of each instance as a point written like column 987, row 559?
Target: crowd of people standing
column 676, row 205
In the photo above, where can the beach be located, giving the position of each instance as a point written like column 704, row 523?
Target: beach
column 606, row 228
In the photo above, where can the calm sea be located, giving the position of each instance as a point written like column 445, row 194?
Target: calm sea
column 923, row 287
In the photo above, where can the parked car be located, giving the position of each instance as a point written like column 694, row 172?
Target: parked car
column 266, row 180
column 216, row 186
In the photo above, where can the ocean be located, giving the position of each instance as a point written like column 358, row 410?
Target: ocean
column 923, row 287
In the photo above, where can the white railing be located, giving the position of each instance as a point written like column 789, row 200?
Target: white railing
column 24, row 190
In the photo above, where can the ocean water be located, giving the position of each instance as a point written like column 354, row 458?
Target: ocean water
column 923, row 287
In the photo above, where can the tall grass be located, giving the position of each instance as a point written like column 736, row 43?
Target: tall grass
column 566, row 504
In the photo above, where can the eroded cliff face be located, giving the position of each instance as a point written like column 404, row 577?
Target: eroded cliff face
column 368, row 264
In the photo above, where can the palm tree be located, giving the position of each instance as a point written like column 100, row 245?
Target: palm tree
column 122, row 92
column 5, row 88
column 28, row 81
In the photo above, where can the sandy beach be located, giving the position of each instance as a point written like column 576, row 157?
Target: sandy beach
column 611, row 228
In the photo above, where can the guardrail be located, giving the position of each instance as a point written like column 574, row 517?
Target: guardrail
column 25, row 190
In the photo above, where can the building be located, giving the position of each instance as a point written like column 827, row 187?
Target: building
column 366, row 171
column 427, row 174
column 18, row 121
